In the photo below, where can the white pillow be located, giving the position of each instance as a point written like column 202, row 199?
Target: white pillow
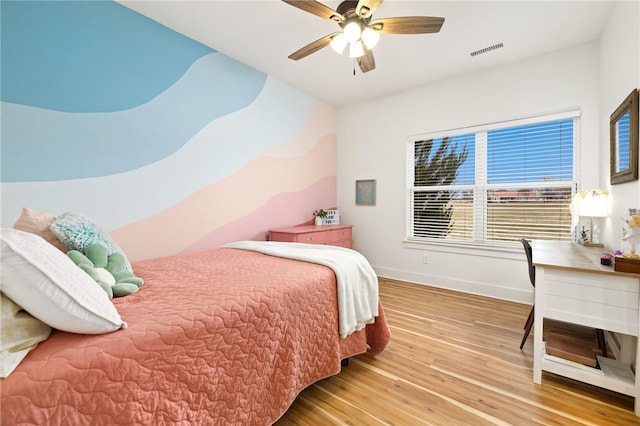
column 48, row 285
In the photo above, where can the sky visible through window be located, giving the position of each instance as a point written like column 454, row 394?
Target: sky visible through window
column 523, row 154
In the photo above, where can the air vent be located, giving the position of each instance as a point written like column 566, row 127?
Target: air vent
column 487, row 49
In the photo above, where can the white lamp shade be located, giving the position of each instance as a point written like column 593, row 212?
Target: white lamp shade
column 338, row 43
column 370, row 38
column 356, row 50
column 594, row 204
column 352, row 31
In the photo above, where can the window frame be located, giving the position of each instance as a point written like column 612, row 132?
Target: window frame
column 480, row 187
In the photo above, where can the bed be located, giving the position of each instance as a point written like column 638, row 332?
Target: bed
column 227, row 336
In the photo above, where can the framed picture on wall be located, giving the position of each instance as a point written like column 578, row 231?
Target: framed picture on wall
column 366, row 192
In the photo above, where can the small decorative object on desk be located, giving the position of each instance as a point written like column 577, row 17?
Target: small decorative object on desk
column 627, row 259
column 584, row 238
column 631, row 234
column 320, row 215
column 627, row 263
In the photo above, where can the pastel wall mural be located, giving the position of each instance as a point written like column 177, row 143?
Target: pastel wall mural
column 168, row 144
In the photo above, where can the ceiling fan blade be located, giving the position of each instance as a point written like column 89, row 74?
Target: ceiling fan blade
column 407, row 25
column 367, row 62
column 365, row 8
column 312, row 47
column 316, row 8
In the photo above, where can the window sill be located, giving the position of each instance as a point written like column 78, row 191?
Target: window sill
column 506, row 251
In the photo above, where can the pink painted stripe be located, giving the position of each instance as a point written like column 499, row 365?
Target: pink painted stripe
column 178, row 227
column 283, row 210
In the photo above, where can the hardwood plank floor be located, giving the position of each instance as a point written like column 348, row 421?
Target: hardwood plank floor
column 454, row 359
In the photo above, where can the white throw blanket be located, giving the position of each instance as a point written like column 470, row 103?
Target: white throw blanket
column 357, row 282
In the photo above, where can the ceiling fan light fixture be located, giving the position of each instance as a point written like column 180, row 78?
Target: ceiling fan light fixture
column 338, row 43
column 358, row 29
column 356, row 50
column 370, row 38
column 352, row 31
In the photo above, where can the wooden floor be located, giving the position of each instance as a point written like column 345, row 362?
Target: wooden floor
column 454, row 359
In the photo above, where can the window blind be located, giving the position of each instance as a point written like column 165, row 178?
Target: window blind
column 497, row 183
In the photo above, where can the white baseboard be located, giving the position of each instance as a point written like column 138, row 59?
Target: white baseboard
column 472, row 287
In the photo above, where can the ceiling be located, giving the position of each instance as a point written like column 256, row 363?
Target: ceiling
column 262, row 34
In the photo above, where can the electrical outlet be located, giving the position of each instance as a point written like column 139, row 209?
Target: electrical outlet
column 425, row 259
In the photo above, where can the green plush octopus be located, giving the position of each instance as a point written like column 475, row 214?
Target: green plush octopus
column 108, row 270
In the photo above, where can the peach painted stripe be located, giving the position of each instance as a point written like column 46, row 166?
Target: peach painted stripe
column 283, row 210
column 172, row 230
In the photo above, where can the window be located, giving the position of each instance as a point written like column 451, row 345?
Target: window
column 495, row 183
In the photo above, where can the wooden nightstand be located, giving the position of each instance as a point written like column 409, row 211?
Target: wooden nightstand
column 334, row 235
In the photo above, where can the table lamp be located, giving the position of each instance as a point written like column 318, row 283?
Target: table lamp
column 594, row 205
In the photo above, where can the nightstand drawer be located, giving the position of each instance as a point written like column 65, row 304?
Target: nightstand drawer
column 336, row 235
column 341, row 243
column 312, row 238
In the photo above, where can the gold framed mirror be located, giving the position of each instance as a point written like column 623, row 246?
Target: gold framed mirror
column 623, row 129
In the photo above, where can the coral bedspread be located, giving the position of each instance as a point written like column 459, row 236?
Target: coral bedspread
column 220, row 337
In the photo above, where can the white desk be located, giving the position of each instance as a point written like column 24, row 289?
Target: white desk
column 572, row 286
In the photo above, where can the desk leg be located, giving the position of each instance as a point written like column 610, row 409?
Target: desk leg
column 637, row 360
column 538, row 344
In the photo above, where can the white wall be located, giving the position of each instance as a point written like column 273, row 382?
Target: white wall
column 619, row 74
column 372, row 138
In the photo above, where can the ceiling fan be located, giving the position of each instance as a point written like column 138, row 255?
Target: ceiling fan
column 359, row 31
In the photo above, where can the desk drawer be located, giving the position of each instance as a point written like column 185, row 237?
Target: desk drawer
column 598, row 300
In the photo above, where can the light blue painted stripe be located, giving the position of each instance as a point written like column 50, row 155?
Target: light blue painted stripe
column 88, row 56
column 217, row 151
column 43, row 145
